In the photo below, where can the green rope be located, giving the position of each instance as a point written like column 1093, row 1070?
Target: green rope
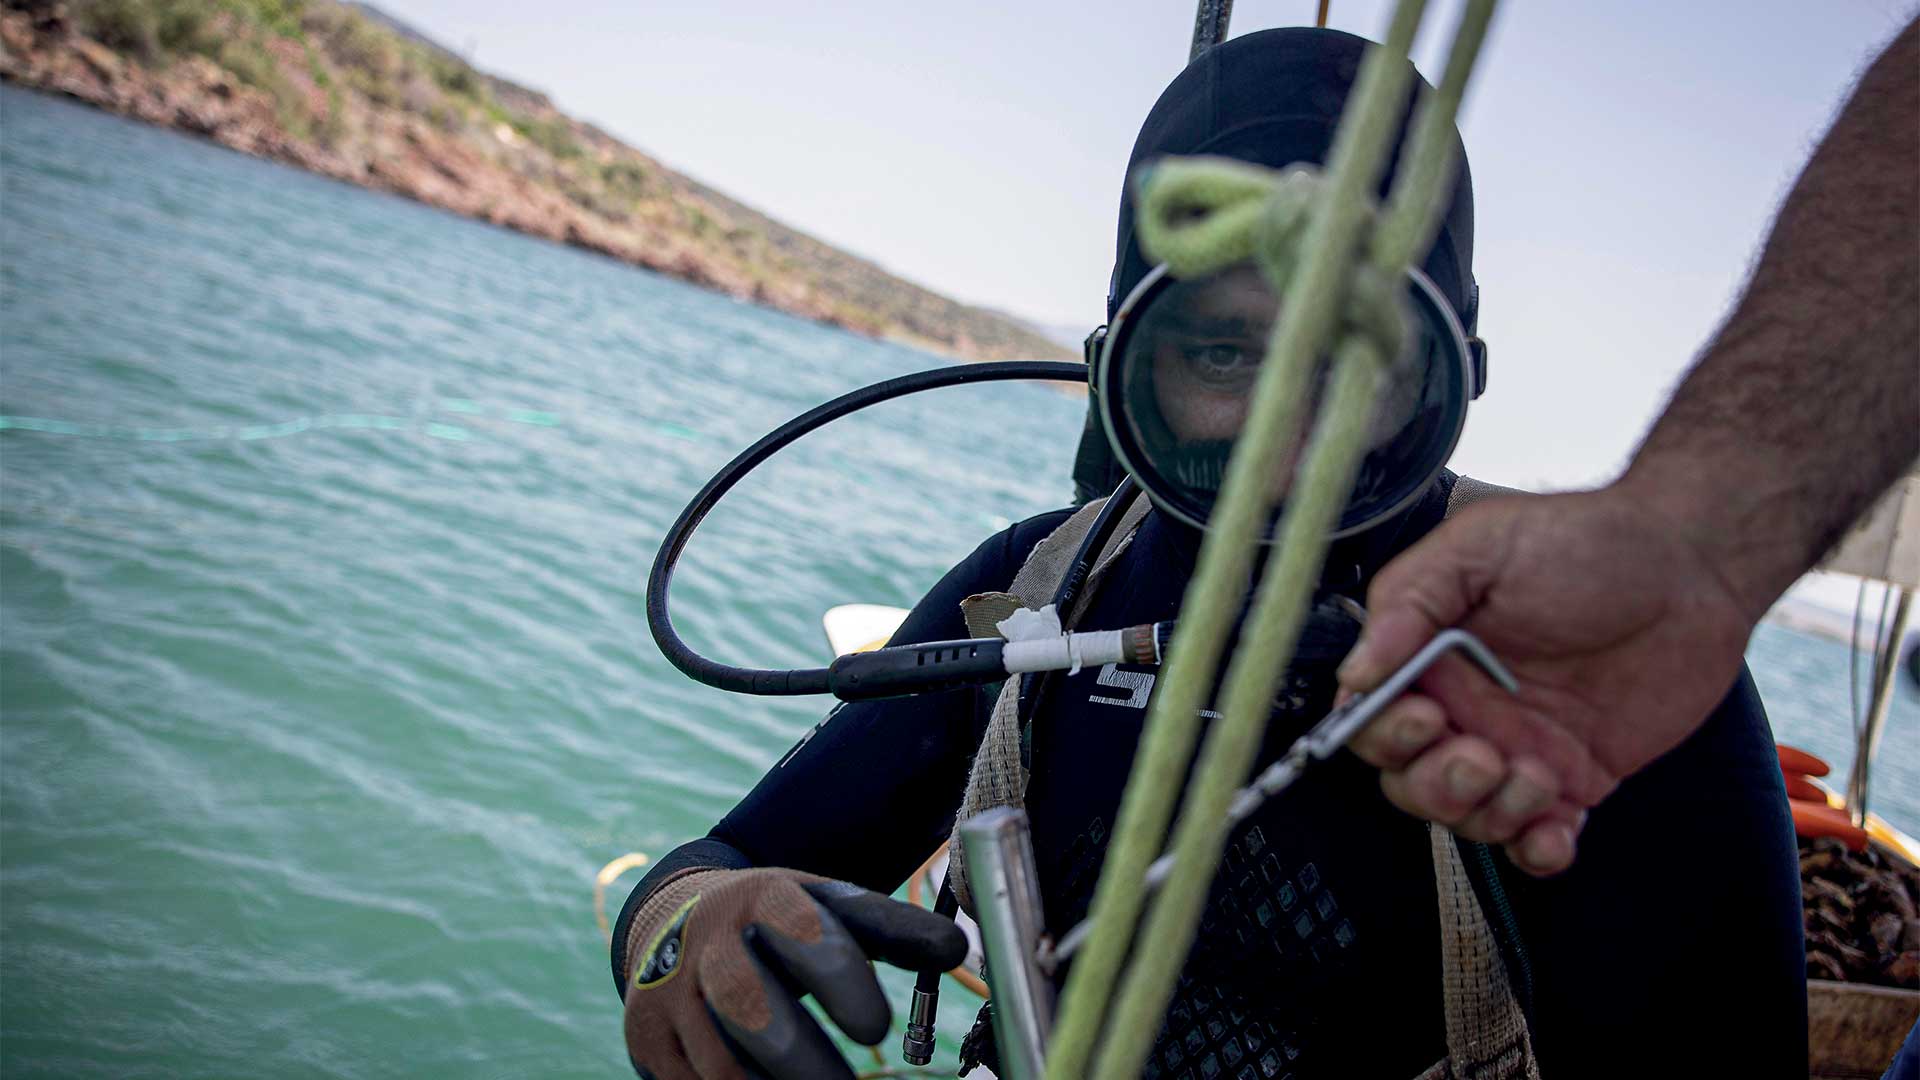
column 1305, row 230
column 1226, row 758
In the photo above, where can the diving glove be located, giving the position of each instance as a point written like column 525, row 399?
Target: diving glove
column 722, row 957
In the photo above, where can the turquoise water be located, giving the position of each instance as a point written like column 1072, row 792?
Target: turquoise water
column 324, row 522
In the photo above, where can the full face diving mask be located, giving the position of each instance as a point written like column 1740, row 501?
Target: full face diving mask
column 1175, row 374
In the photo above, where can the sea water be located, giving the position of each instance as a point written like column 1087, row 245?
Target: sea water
column 325, row 688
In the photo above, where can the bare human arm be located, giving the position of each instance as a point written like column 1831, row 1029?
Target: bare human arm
column 1625, row 611
column 1809, row 396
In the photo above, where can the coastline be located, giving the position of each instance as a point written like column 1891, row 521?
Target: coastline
column 350, row 94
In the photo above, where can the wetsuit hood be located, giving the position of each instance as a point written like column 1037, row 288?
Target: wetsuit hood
column 1271, row 98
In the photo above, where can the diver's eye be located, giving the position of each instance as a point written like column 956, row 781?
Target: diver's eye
column 1220, row 362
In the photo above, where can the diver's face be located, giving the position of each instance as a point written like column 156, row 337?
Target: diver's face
column 1179, row 376
column 1207, row 356
column 1208, row 352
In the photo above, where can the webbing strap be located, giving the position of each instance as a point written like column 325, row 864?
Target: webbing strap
column 1467, row 491
column 998, row 778
column 1487, row 1036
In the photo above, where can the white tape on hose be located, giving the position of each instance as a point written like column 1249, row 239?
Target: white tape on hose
column 1069, row 651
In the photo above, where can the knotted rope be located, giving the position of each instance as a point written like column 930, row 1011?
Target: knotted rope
column 1338, row 260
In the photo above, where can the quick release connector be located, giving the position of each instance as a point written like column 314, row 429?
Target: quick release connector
column 917, row 1046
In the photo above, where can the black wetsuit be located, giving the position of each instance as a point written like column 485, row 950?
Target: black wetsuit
column 1674, row 945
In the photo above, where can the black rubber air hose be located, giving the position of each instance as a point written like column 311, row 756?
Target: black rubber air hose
column 801, row 680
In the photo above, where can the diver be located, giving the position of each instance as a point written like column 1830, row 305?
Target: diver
column 1332, row 940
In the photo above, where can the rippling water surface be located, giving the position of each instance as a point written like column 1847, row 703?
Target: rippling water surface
column 324, row 524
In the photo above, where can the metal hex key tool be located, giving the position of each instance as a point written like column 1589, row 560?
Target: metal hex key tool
column 1319, row 743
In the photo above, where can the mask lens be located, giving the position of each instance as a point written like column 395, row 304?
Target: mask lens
column 1180, row 372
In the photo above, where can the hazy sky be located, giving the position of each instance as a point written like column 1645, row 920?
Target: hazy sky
column 1627, row 156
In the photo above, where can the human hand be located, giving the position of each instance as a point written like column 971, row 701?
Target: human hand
column 1619, row 626
column 724, row 955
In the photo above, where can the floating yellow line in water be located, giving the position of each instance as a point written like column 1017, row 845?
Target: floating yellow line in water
column 607, row 875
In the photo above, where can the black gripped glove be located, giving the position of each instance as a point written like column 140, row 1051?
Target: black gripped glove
column 720, row 958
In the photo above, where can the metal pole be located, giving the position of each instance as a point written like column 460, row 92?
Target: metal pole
column 1209, row 26
column 1885, row 668
column 1006, row 892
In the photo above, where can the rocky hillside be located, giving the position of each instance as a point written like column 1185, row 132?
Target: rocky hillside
column 349, row 93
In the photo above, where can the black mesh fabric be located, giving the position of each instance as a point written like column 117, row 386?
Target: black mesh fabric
column 1269, row 987
column 1212, row 1034
column 1275, row 942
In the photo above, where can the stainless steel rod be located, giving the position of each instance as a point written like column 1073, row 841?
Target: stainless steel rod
column 1006, row 894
